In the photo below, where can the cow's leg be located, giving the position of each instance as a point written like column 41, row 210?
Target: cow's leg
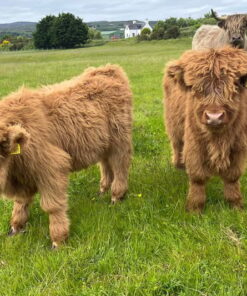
column 52, row 185
column 119, row 161
column 197, row 171
column 196, row 197
column 233, row 194
column 177, row 157
column 106, row 176
column 231, row 178
column 54, row 202
column 20, row 214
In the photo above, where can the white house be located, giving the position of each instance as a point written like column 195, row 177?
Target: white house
column 134, row 29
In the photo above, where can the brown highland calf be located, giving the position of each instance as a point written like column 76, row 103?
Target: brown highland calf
column 62, row 128
column 206, row 120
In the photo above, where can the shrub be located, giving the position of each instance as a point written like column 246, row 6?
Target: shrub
column 9, row 42
column 94, row 34
column 145, row 34
column 172, row 32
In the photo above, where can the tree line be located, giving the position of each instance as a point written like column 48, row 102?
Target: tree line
column 175, row 27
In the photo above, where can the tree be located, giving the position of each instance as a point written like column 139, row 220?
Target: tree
column 182, row 22
column 172, row 21
column 63, row 31
column 145, row 34
column 167, row 29
column 69, row 31
column 191, row 21
column 208, row 14
column 94, row 34
column 172, row 32
column 44, row 34
column 159, row 30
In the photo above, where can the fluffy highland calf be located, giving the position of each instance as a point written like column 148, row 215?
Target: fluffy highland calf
column 231, row 30
column 206, row 120
column 62, row 128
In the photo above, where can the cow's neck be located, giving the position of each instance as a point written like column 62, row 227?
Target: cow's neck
column 219, row 147
column 218, row 150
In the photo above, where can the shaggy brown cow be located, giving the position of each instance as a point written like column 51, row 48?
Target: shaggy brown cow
column 62, row 128
column 230, row 31
column 206, row 119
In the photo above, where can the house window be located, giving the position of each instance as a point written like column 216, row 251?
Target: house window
column 133, row 34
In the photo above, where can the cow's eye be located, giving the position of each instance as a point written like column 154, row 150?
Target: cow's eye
column 243, row 81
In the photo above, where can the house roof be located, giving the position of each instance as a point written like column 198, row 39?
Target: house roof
column 135, row 26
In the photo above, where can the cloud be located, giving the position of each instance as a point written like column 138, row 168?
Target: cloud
column 93, row 10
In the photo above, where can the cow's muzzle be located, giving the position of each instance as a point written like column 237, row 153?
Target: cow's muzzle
column 237, row 42
column 215, row 119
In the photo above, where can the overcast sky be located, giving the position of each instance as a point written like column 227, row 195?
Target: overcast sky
column 96, row 10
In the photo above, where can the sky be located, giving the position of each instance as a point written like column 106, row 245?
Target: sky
column 113, row 10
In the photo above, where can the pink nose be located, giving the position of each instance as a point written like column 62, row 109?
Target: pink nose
column 214, row 118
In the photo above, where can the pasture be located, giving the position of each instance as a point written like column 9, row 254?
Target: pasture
column 148, row 244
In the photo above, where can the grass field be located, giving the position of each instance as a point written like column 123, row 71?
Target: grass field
column 147, row 245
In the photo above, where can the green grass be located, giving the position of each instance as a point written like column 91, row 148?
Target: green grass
column 147, row 245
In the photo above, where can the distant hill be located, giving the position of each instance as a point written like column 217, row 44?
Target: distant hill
column 27, row 28
column 18, row 28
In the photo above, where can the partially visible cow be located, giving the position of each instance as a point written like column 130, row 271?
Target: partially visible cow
column 47, row 133
column 206, row 119
column 231, row 30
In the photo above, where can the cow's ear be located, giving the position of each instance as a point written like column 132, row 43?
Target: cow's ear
column 221, row 24
column 12, row 140
column 175, row 71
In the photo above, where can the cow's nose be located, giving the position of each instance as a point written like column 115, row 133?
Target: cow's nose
column 236, row 39
column 214, row 118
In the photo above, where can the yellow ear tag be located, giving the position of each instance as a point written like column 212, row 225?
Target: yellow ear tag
column 17, row 150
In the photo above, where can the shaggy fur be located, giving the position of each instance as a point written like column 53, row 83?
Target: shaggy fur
column 197, row 86
column 63, row 128
column 230, row 31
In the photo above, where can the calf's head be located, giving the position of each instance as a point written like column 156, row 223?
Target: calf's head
column 12, row 140
column 235, row 25
column 214, row 82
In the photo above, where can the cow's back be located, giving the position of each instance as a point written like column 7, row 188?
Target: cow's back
column 90, row 116
column 208, row 36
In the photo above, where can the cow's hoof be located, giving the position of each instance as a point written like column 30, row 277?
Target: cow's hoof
column 194, row 209
column 236, row 204
column 180, row 166
column 116, row 201
column 54, row 246
column 12, row 231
